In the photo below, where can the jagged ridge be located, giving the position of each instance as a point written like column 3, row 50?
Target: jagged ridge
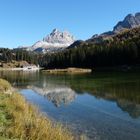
column 54, row 41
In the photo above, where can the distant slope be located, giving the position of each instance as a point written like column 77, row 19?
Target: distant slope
column 129, row 22
column 121, row 49
column 56, row 40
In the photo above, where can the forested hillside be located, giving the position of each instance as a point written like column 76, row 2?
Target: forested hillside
column 116, row 50
column 104, row 51
column 7, row 55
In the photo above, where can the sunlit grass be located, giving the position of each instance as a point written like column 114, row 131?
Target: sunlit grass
column 4, row 86
column 22, row 121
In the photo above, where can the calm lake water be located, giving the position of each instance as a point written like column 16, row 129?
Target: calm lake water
column 100, row 106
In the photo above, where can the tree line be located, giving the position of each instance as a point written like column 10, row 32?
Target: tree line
column 121, row 49
column 8, row 55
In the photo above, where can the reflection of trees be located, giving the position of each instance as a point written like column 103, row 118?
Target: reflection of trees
column 126, row 96
column 130, row 107
column 57, row 95
column 122, row 88
column 119, row 93
column 20, row 78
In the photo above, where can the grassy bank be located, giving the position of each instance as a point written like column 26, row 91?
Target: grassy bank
column 21, row 121
column 68, row 70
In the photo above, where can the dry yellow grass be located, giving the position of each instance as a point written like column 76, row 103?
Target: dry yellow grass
column 21, row 121
column 4, row 85
column 68, row 70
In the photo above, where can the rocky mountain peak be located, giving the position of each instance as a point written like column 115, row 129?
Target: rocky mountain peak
column 137, row 14
column 55, row 41
column 128, row 16
column 59, row 37
column 130, row 21
column 55, row 30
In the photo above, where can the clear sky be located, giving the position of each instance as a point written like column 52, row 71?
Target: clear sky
column 23, row 22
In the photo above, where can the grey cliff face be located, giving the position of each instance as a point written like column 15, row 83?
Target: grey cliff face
column 59, row 37
column 55, row 41
column 130, row 21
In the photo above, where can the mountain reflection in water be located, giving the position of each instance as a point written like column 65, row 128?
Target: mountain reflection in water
column 101, row 106
column 122, row 88
column 65, row 95
column 57, row 95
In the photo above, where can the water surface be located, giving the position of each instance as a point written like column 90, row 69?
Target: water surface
column 100, row 106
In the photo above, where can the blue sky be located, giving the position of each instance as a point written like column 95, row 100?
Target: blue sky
column 23, row 22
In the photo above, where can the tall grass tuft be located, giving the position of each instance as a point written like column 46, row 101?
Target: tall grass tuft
column 22, row 121
column 4, row 85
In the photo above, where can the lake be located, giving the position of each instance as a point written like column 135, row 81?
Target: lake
column 99, row 106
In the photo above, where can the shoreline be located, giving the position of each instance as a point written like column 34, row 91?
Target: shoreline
column 68, row 70
column 73, row 70
column 20, row 120
column 19, row 69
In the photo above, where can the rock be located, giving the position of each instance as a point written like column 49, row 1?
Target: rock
column 55, row 41
column 64, row 38
column 76, row 44
column 130, row 21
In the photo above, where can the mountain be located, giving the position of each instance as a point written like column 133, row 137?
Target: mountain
column 58, row 41
column 76, row 44
column 130, row 21
column 57, row 37
column 121, row 51
column 55, row 41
